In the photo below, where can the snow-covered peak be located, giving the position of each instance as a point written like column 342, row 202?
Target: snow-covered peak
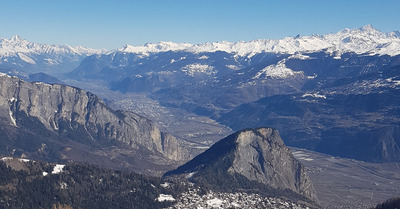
column 366, row 39
column 161, row 46
column 16, row 45
column 362, row 40
column 16, row 38
column 394, row 34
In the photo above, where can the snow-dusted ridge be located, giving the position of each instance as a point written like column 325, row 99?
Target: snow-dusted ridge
column 361, row 40
column 17, row 46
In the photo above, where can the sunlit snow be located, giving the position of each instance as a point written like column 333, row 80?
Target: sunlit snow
column 215, row 203
column 197, row 68
column 58, row 168
column 26, row 58
column 361, row 40
column 13, row 121
column 165, row 197
column 277, row 71
column 315, row 95
column 302, row 156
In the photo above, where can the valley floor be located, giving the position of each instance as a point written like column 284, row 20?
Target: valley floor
column 347, row 183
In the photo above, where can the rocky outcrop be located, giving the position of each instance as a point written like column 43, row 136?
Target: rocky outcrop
column 258, row 155
column 75, row 114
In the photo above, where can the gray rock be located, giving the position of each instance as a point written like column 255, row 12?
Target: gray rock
column 259, row 155
column 64, row 110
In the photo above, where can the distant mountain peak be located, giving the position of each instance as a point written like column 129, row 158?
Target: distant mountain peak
column 16, row 38
column 368, row 27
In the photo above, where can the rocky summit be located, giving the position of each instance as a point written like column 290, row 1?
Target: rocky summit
column 250, row 159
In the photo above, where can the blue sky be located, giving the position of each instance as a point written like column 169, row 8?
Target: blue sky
column 112, row 24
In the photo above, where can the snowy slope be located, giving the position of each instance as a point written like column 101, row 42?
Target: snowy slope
column 27, row 57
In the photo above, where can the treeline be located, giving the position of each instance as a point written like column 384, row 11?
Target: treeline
column 389, row 204
column 81, row 186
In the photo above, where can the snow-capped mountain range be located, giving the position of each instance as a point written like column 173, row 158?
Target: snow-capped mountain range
column 19, row 56
column 362, row 40
column 16, row 44
column 18, row 53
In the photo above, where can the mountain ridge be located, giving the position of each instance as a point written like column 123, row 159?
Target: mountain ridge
column 367, row 35
column 60, row 122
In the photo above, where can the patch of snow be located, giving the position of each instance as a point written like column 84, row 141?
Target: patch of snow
column 337, row 57
column 234, row 204
column 3, row 74
column 189, row 175
column 63, row 185
column 215, row 202
column 6, row 158
column 173, row 60
column 26, row 58
column 302, row 156
column 277, row 71
column 13, row 121
column 58, row 168
column 312, row 77
column 300, row 56
column 394, row 82
column 196, row 68
column 307, row 159
column 45, row 173
column 51, row 61
column 24, row 160
column 204, row 57
column 42, row 84
column 233, row 67
column 315, row 95
column 165, row 197
column 165, row 185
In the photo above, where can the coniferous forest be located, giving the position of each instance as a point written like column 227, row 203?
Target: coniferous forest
column 80, row 186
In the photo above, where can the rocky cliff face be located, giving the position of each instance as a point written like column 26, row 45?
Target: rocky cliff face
column 258, row 155
column 74, row 114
